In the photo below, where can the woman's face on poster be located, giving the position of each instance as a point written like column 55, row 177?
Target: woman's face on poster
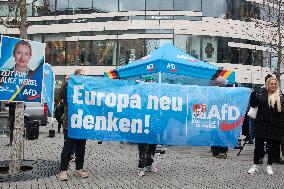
column 22, row 56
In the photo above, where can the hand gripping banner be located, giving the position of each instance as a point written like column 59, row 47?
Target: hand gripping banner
column 115, row 110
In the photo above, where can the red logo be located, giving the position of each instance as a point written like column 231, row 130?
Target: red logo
column 230, row 126
column 34, row 97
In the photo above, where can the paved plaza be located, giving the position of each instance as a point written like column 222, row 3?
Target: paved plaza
column 114, row 165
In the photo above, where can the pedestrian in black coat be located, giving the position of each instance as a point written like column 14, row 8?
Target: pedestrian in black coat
column 268, row 123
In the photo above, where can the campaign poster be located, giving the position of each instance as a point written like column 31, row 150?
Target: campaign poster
column 21, row 70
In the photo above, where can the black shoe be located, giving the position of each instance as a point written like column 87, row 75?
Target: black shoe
column 100, row 142
column 237, row 147
column 160, row 151
column 8, row 144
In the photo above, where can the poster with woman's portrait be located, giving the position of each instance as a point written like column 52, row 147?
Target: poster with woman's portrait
column 21, row 70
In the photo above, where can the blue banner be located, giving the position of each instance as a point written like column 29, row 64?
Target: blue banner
column 21, row 70
column 155, row 113
column 48, row 87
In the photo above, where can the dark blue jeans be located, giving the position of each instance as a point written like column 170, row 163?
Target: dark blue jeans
column 69, row 145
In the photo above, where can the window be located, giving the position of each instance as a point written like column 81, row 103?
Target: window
column 103, row 53
column 222, row 53
column 234, row 54
column 105, row 5
column 209, row 49
column 189, row 44
column 159, row 4
column 153, row 44
column 187, row 5
column 80, row 4
column 55, row 53
column 218, row 8
column 130, row 50
column 131, row 5
column 78, row 53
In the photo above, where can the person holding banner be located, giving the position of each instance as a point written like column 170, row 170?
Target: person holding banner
column 71, row 143
column 269, row 122
column 146, row 152
column 219, row 151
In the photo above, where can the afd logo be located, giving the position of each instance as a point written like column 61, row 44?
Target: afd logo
column 171, row 67
column 46, row 72
column 150, row 67
column 190, row 59
column 228, row 117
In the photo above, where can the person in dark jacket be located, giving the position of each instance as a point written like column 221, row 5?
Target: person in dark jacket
column 59, row 111
column 146, row 152
column 71, row 143
column 268, row 122
column 12, row 109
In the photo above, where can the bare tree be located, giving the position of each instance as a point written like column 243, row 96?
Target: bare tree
column 269, row 28
column 17, row 18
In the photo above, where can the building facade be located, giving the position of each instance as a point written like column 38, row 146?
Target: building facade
column 103, row 34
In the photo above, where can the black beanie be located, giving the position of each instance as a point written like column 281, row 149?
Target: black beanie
column 267, row 77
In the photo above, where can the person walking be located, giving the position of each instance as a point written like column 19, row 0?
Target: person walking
column 268, row 123
column 71, row 143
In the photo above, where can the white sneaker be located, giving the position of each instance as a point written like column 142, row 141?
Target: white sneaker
column 152, row 169
column 253, row 169
column 269, row 170
column 141, row 172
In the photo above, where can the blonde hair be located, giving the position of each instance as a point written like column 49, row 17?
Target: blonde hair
column 274, row 98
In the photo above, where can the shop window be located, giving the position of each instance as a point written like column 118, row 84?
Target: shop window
column 189, row 44
column 78, row 53
column 103, row 53
column 257, row 58
column 209, row 49
column 153, row 44
column 246, row 56
column 130, row 50
column 234, row 54
column 55, row 53
column 222, row 52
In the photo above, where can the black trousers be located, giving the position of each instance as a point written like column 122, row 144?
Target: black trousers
column 59, row 126
column 146, row 154
column 69, row 145
column 11, row 128
column 272, row 150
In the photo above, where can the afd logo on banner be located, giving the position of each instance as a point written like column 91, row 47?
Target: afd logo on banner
column 211, row 117
column 155, row 113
